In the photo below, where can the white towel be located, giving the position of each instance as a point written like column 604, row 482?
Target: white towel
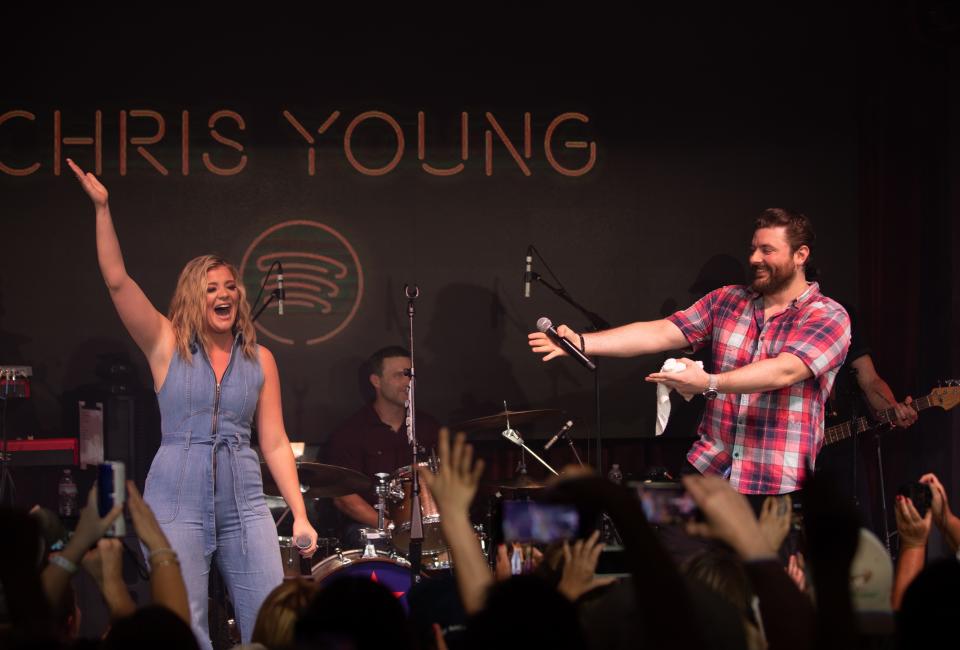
column 663, row 393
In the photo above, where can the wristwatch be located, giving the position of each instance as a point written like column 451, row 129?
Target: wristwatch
column 711, row 392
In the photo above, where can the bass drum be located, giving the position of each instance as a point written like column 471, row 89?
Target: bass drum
column 389, row 570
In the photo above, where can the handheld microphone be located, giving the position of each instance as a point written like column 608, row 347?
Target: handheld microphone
column 302, row 542
column 559, row 434
column 528, row 274
column 280, row 293
column 545, row 326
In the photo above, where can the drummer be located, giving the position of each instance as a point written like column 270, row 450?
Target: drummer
column 374, row 439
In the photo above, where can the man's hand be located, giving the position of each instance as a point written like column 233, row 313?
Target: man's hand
column 580, row 567
column 692, row 380
column 905, row 415
column 914, row 530
column 543, row 344
column 455, row 483
column 728, row 517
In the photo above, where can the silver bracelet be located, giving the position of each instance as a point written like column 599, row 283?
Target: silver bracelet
column 64, row 564
column 161, row 551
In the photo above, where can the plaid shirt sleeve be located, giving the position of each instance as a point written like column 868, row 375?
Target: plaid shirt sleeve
column 696, row 321
column 823, row 339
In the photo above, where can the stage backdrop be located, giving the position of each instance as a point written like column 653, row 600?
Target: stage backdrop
column 633, row 154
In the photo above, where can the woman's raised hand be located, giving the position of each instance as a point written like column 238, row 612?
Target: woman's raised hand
column 91, row 185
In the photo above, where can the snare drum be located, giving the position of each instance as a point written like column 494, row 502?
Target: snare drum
column 294, row 564
column 399, row 509
column 390, row 571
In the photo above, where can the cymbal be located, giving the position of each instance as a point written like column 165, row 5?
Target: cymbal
column 319, row 480
column 499, row 420
column 520, row 482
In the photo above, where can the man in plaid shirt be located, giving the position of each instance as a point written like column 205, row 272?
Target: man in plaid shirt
column 777, row 346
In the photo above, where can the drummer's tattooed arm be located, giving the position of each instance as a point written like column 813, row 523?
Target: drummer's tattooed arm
column 453, row 488
column 275, row 446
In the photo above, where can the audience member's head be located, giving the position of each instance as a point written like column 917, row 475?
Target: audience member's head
column 149, row 628
column 722, row 571
column 24, row 606
column 525, row 612
column 929, row 606
column 354, row 613
column 279, row 613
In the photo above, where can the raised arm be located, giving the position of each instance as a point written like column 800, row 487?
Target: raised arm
column 626, row 341
column 149, row 328
column 276, row 449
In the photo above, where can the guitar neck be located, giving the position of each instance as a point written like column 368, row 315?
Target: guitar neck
column 887, row 416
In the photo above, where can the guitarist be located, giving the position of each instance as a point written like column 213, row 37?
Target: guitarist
column 859, row 390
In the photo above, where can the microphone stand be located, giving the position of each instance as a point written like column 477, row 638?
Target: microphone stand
column 573, row 447
column 597, row 323
column 274, row 294
column 416, row 516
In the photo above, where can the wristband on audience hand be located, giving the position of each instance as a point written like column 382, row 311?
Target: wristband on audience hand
column 64, row 564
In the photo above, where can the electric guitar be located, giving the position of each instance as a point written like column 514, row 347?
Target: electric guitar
column 946, row 397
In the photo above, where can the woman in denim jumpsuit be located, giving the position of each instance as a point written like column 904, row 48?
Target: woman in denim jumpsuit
column 212, row 380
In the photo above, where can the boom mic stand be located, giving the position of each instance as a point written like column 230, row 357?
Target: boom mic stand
column 597, row 323
column 416, row 516
column 275, row 294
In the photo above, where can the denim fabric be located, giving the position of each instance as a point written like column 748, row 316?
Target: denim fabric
column 206, row 490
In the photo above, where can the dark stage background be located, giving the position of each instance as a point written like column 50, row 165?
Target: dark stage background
column 699, row 120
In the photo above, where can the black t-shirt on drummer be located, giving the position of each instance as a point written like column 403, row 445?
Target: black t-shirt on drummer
column 364, row 443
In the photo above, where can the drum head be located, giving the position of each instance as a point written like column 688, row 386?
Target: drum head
column 392, row 572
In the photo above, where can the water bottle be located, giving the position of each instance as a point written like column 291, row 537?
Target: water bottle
column 615, row 475
column 67, row 495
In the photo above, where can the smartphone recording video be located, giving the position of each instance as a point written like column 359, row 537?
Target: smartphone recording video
column 539, row 523
column 666, row 504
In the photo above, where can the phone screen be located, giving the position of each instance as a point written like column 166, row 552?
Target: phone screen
column 542, row 523
column 666, row 503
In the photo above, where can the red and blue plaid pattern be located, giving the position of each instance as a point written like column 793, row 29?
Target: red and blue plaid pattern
column 763, row 440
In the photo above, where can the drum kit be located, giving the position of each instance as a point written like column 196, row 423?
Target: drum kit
column 385, row 549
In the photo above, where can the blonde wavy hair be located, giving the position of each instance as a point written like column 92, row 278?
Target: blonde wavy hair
column 188, row 307
column 279, row 612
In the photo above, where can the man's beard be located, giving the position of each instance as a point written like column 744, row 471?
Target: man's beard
column 775, row 280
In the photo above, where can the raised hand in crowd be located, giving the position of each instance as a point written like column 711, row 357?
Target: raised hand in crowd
column 729, row 517
column 453, row 488
column 776, row 515
column 787, row 614
column 105, row 564
column 795, row 569
column 166, row 581
column 580, row 567
column 90, row 528
column 946, row 521
column 914, row 531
